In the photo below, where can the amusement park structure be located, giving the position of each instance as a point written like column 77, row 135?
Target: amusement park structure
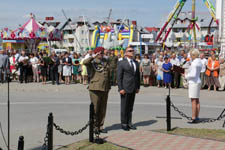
column 221, row 17
column 114, row 35
column 173, row 16
column 31, row 34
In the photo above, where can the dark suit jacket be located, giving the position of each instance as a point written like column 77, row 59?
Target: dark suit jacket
column 4, row 61
column 127, row 79
column 69, row 61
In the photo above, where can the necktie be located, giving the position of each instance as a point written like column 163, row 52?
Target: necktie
column 132, row 65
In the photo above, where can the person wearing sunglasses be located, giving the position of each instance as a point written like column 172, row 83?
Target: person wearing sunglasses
column 128, row 80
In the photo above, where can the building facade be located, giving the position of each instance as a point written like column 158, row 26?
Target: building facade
column 76, row 36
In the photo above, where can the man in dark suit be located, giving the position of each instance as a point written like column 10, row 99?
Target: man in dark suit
column 4, row 66
column 128, row 78
column 53, row 66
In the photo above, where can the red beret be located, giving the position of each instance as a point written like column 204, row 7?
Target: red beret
column 98, row 49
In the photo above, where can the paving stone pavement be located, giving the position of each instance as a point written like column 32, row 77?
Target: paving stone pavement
column 148, row 140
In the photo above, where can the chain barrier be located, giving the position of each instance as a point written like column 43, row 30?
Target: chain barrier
column 72, row 133
column 221, row 116
column 180, row 112
column 44, row 146
column 96, row 131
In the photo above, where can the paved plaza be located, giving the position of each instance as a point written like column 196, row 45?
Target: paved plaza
column 31, row 104
column 147, row 140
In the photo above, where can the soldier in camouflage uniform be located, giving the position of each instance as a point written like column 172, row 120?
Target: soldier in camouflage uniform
column 99, row 85
column 113, row 67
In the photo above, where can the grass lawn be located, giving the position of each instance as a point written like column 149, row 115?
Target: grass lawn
column 86, row 145
column 198, row 133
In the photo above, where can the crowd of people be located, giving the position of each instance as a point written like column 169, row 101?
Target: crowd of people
column 156, row 69
column 101, row 69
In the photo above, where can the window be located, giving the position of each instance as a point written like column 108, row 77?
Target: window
column 178, row 39
column 71, row 40
column 176, row 30
column 70, row 32
column 71, row 48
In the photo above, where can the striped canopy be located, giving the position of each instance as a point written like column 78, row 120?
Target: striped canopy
column 31, row 30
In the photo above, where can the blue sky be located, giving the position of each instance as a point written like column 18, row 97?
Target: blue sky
column 146, row 12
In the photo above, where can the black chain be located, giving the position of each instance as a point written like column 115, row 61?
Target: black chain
column 44, row 146
column 180, row 112
column 72, row 133
column 221, row 116
column 96, row 130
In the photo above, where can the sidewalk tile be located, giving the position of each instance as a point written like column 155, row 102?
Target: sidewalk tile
column 148, row 140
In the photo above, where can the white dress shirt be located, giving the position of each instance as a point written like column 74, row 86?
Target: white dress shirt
column 129, row 60
column 204, row 63
column 193, row 75
column 22, row 58
column 87, row 56
column 175, row 61
column 34, row 62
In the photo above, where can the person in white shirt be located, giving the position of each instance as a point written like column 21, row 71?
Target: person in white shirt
column 17, row 54
column 175, row 75
column 120, row 58
column 222, row 74
column 34, row 62
column 185, row 64
column 194, row 84
column 89, row 54
column 23, row 64
column 204, row 64
column 159, row 76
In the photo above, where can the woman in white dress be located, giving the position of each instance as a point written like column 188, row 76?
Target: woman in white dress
column 159, row 76
column 67, row 70
column 34, row 62
column 194, row 84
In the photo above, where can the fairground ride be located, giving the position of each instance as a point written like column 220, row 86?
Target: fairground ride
column 173, row 16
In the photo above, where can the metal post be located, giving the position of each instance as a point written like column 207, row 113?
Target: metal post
column 91, row 126
column 168, row 113
column 50, row 131
column 21, row 143
column 194, row 22
column 8, row 76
